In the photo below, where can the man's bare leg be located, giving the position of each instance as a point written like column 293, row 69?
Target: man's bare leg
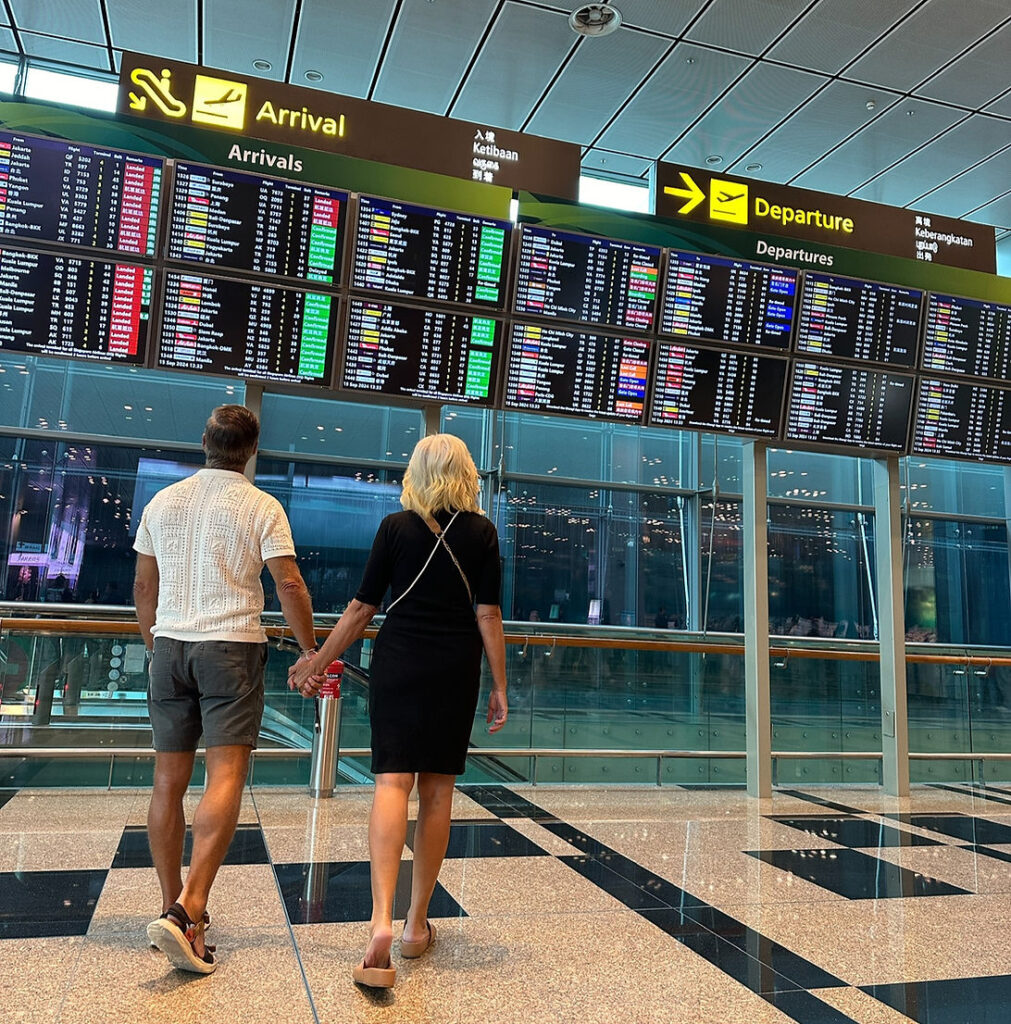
column 214, row 825
column 166, row 823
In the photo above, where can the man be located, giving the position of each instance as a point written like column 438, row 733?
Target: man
column 201, row 547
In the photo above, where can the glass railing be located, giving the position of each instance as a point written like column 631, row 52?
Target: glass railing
column 587, row 704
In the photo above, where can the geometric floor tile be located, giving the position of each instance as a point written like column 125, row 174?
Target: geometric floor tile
column 36, row 904
column 855, row 875
column 963, row 826
column 7, row 794
column 856, row 832
column 247, row 847
column 491, row 839
column 954, row 1001
column 329, row 892
column 504, row 802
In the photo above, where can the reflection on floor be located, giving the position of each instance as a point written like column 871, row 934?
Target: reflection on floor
column 555, row 904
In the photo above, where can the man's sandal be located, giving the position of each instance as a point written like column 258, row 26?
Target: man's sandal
column 412, row 950
column 175, row 934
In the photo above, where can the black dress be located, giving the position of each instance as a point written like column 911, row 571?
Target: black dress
column 426, row 666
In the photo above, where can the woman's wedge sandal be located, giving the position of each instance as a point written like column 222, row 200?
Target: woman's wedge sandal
column 374, row 977
column 175, row 934
column 412, row 950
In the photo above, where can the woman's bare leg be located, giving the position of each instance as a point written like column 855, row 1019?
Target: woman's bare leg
column 431, row 838
column 387, row 832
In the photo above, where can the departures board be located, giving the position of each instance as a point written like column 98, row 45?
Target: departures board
column 962, row 419
column 246, row 222
column 967, row 337
column 67, row 193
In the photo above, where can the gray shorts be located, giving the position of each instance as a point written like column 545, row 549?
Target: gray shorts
column 214, row 687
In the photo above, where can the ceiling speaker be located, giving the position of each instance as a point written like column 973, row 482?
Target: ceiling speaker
column 595, row 19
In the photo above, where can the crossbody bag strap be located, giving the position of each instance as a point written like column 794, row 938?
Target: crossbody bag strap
column 438, row 541
column 459, row 568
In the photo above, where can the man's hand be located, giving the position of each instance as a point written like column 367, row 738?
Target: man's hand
column 302, row 678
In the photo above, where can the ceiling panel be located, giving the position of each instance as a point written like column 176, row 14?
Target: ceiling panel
column 597, row 80
column 976, row 78
column 1001, row 106
column 978, row 186
column 72, row 19
column 753, row 107
column 961, row 147
column 907, row 126
column 997, row 212
column 431, row 47
column 235, row 36
column 677, row 92
column 615, row 163
column 746, row 27
column 342, row 45
column 937, row 32
column 836, row 31
column 173, row 23
column 7, row 42
column 68, row 51
column 517, row 62
column 829, row 118
column 667, row 16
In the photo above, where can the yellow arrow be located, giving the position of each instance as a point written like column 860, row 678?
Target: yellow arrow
column 692, row 195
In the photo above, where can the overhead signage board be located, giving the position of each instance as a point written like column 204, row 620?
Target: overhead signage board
column 798, row 213
column 255, row 109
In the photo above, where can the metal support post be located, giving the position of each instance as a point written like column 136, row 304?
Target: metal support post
column 758, row 707
column 325, row 748
column 891, row 626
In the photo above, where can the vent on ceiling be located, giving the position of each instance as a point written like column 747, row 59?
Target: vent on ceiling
column 595, row 19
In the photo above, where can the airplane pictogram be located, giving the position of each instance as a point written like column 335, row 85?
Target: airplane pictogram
column 231, row 96
column 219, row 102
column 726, row 197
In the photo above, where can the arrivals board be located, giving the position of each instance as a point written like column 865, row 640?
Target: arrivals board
column 708, row 389
column 849, row 319
column 966, row 336
column 60, row 305
column 246, row 329
column 71, row 194
column 424, row 253
column 586, row 279
column 552, row 369
column 714, row 299
column 225, row 218
column 843, row 405
column 962, row 419
column 421, row 354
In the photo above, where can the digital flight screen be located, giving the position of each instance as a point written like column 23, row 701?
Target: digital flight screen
column 967, row 337
column 962, row 419
column 421, row 354
column 707, row 389
column 849, row 406
column 226, row 218
column 61, row 305
column 850, row 319
column 246, row 329
column 72, row 194
column 552, row 369
column 424, row 253
column 586, row 279
column 710, row 298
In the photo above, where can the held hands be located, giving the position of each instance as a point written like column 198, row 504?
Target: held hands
column 301, row 677
column 498, row 710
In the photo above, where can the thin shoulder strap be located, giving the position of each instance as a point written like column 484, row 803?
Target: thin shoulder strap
column 438, row 541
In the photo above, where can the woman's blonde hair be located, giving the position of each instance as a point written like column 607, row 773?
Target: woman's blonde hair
column 441, row 475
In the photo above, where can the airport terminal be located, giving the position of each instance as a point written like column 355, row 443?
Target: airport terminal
column 716, row 294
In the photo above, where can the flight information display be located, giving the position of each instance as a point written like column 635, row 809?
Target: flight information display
column 875, row 323
column 555, row 370
column 587, row 279
column 420, row 353
column 57, row 305
column 430, row 254
column 225, row 218
column 706, row 389
column 69, row 193
column 959, row 419
column 849, row 406
column 244, row 329
column 966, row 336
column 711, row 298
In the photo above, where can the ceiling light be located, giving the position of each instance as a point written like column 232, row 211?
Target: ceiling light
column 714, row 159
column 262, row 65
column 595, row 19
column 751, row 168
column 314, row 76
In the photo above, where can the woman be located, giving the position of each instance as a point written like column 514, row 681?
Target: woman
column 440, row 559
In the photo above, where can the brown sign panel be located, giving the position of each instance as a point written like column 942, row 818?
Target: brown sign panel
column 254, row 108
column 762, row 207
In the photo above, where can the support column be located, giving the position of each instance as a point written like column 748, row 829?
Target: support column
column 254, row 403
column 758, row 723
column 433, row 420
column 891, row 626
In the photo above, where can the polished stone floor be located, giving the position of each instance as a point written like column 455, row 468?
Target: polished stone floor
column 555, row 904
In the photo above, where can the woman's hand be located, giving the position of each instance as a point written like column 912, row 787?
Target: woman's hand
column 498, row 710
column 302, row 678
